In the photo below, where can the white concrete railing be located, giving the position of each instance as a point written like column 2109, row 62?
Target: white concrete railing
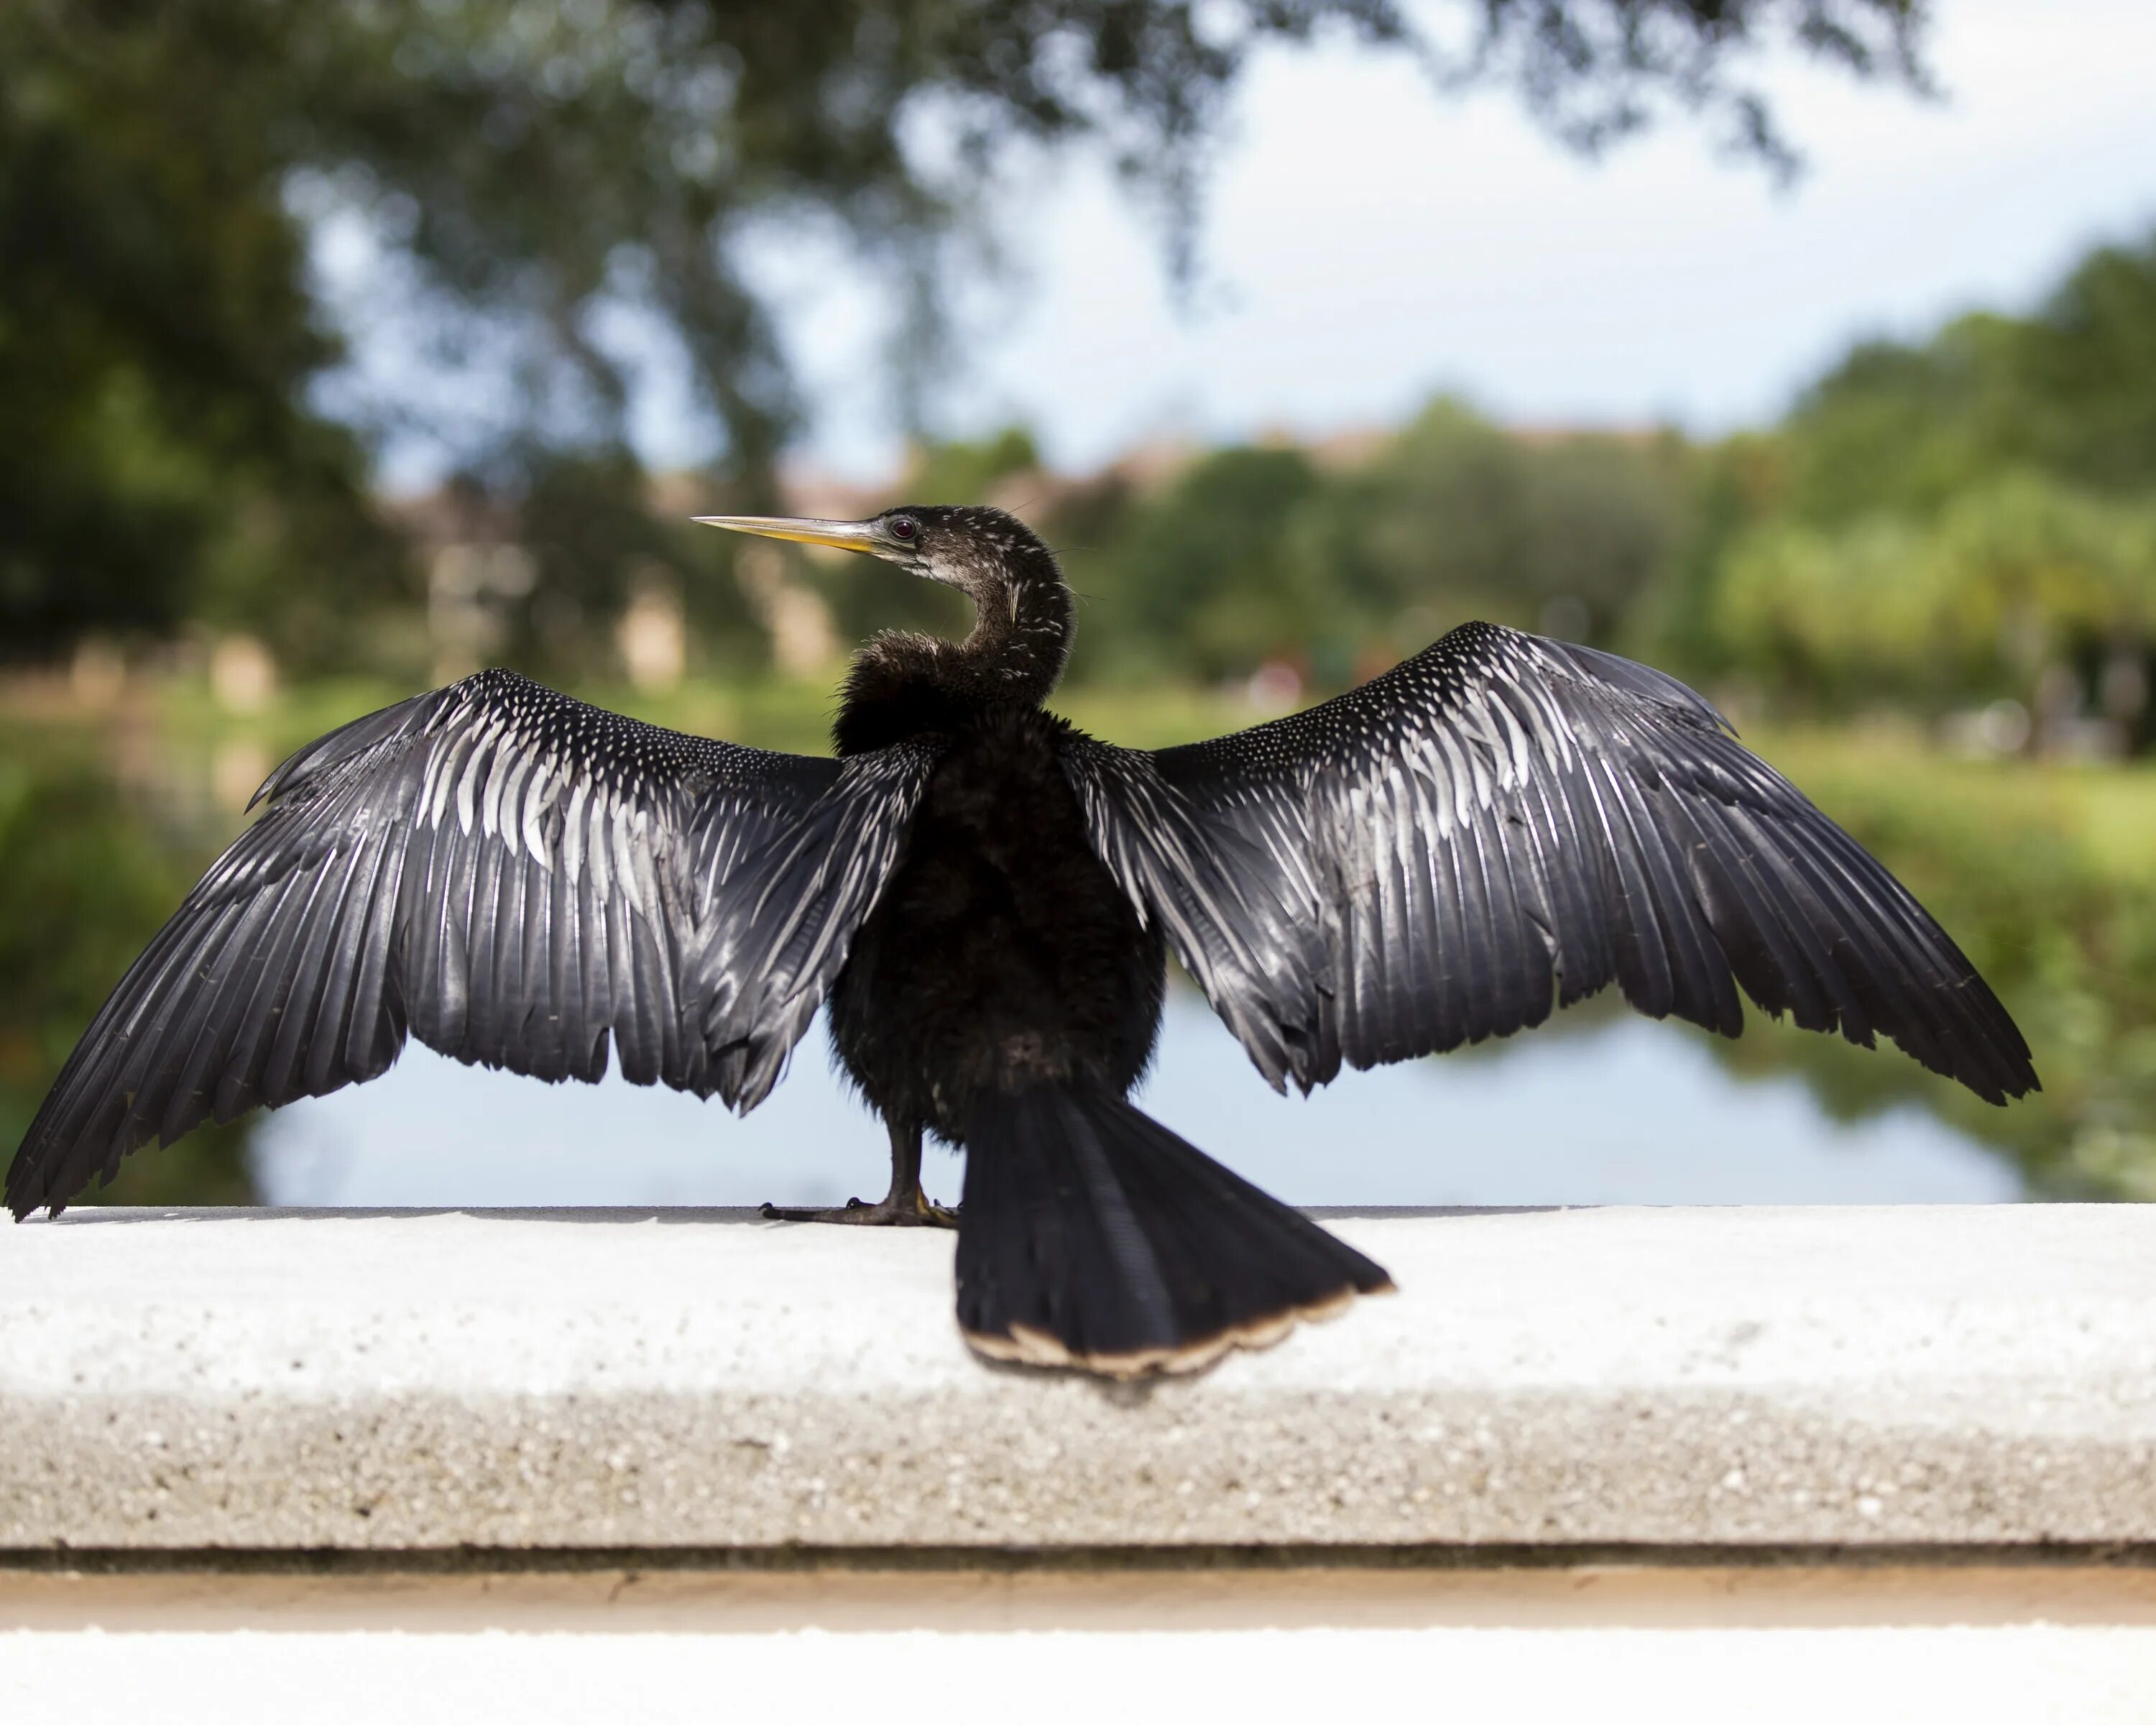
column 1924, row 1384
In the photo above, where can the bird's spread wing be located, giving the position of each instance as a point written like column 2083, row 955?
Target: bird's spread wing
column 1502, row 820
column 517, row 879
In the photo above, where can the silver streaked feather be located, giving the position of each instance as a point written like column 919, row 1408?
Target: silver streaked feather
column 1504, row 823
column 519, row 880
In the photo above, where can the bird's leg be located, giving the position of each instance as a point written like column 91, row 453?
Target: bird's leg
column 906, row 1205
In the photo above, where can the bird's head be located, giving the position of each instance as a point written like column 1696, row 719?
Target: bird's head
column 902, row 683
column 984, row 552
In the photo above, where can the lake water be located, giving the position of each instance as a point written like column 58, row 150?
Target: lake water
column 1620, row 1110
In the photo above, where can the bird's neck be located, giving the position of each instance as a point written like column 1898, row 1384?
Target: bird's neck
column 1021, row 637
column 903, row 685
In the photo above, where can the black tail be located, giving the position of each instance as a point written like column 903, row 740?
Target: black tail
column 1092, row 1236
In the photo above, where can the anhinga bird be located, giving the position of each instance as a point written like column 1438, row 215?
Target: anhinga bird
column 987, row 896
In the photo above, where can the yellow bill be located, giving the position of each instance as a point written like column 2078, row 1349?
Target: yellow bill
column 844, row 535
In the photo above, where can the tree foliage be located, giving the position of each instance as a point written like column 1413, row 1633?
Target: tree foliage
column 1969, row 516
column 2006, row 580
column 1260, row 554
column 525, row 173
column 157, row 458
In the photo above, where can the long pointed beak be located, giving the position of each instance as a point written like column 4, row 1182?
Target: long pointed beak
column 846, row 536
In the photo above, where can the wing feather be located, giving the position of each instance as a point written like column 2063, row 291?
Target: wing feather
column 1429, row 859
column 519, row 880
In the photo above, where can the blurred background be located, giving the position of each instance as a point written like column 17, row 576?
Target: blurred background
column 1807, row 350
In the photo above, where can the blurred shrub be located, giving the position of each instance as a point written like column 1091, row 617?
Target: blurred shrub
column 85, row 880
column 1561, row 532
column 1274, row 553
column 1204, row 580
column 2002, row 582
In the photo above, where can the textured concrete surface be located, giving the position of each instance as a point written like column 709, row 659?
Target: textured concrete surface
column 1965, row 1377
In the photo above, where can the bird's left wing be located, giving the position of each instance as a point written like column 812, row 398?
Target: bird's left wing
column 516, row 878
column 1502, row 821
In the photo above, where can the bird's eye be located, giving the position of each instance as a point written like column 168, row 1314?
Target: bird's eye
column 903, row 526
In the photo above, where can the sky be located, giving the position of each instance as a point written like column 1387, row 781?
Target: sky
column 1366, row 244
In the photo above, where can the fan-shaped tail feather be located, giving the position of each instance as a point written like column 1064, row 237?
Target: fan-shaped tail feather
column 1092, row 1236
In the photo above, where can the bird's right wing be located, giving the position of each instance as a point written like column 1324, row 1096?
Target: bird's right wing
column 519, row 879
column 1502, row 823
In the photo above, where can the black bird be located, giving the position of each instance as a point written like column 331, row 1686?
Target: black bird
column 987, row 897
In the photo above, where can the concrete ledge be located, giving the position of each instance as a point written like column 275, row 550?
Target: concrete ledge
column 1918, row 1384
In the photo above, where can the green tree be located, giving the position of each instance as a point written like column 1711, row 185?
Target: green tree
column 1253, row 554
column 530, row 171
column 1205, row 579
column 2006, row 582
column 1458, row 518
column 2089, row 369
column 586, row 519
column 1896, row 427
column 2070, row 391
column 1955, row 519
column 157, row 458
